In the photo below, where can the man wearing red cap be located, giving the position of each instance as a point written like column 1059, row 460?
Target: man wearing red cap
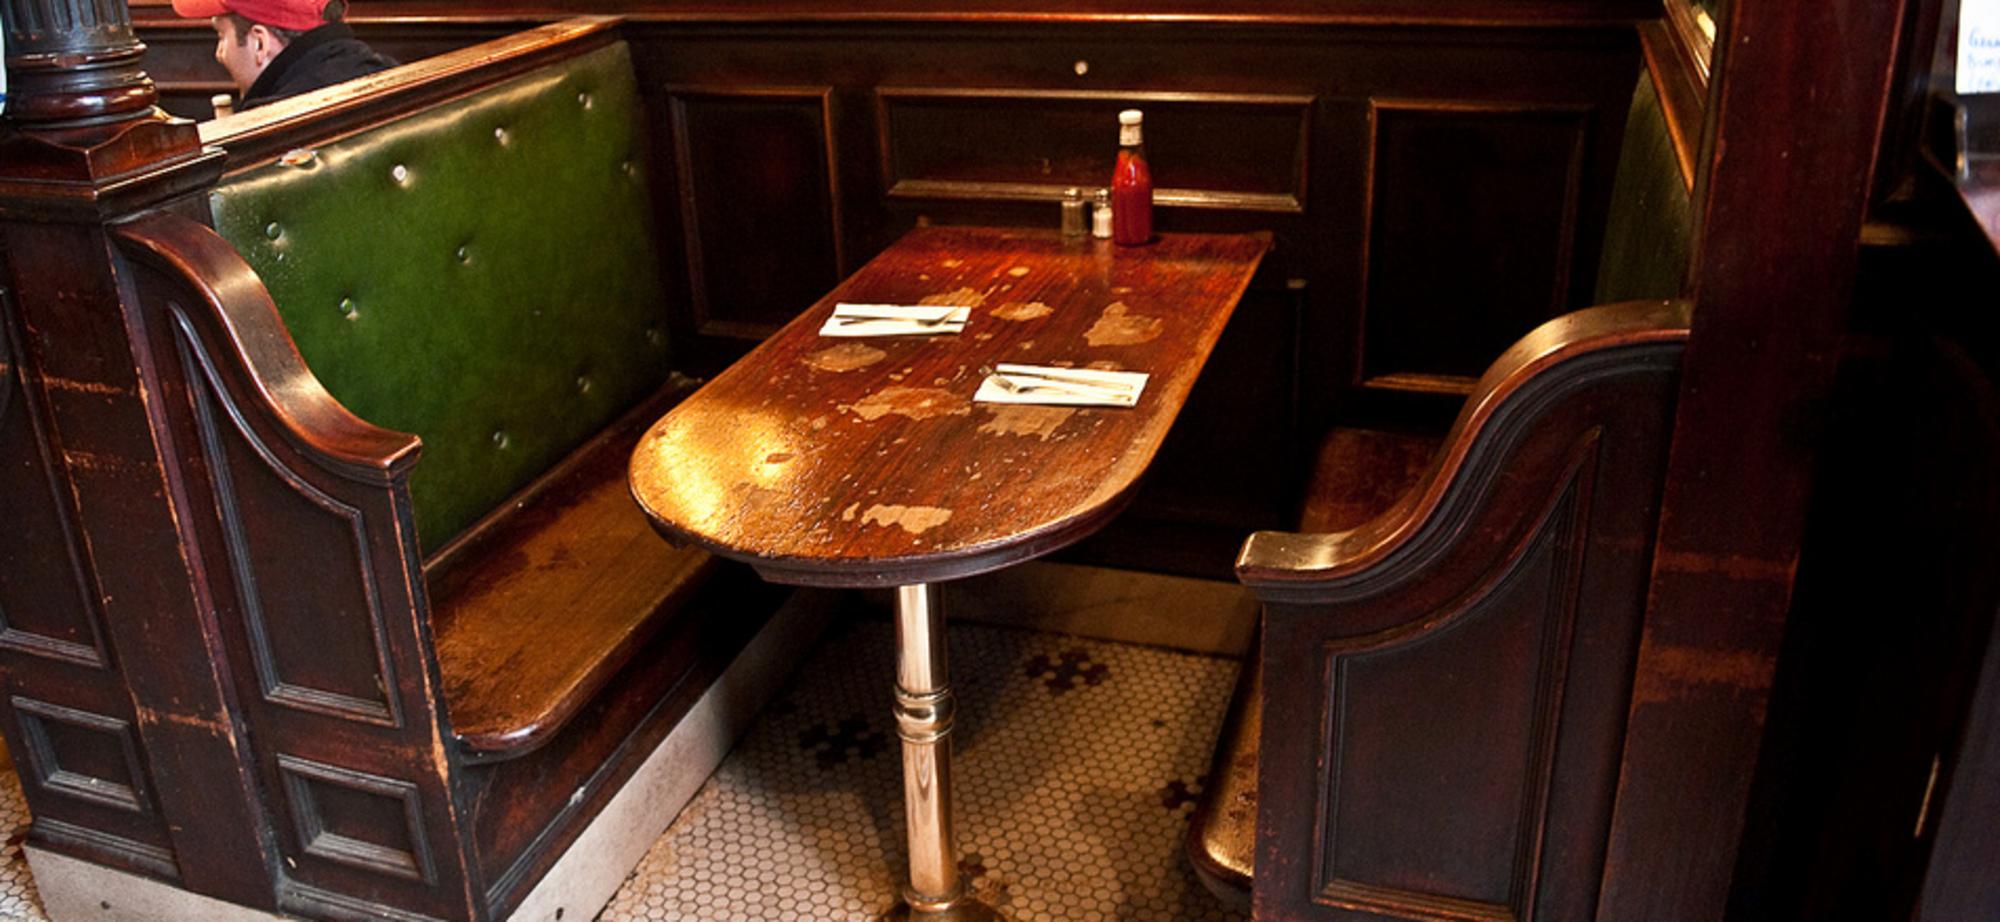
column 278, row 48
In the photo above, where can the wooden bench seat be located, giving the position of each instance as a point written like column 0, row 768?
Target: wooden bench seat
column 1357, row 473
column 538, row 605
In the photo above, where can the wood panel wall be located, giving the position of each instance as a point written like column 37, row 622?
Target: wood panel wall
column 1435, row 174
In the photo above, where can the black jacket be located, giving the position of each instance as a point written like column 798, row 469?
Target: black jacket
column 322, row 57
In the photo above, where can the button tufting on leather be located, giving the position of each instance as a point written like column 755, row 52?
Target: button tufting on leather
column 515, row 269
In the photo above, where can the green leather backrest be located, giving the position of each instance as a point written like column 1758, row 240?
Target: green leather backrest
column 480, row 273
column 1646, row 234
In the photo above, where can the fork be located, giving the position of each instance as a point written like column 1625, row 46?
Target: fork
column 849, row 320
column 1058, row 375
column 1077, row 389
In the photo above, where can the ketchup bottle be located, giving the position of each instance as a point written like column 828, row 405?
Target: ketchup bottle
column 1131, row 185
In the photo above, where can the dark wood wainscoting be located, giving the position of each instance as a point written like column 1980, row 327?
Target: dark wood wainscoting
column 1435, row 175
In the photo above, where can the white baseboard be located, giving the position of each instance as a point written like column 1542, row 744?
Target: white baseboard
column 585, row 878
column 1176, row 612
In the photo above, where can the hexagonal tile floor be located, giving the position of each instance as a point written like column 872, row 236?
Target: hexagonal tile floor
column 1077, row 763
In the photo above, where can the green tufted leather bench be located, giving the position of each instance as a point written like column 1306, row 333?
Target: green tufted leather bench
column 459, row 637
column 479, row 274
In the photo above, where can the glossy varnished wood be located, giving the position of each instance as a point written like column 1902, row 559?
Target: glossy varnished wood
column 104, row 593
column 547, row 597
column 1452, row 672
column 1573, row 13
column 1258, row 119
column 229, row 667
column 864, row 461
column 1796, row 114
column 1272, row 561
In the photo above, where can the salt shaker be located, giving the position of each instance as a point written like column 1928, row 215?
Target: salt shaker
column 1100, row 220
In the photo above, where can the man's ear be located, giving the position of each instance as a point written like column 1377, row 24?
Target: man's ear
column 264, row 45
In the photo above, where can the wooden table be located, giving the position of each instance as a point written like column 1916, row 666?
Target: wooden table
column 864, row 462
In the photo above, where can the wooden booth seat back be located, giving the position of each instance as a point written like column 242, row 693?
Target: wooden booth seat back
column 1358, row 472
column 459, row 249
column 479, row 274
column 1458, row 668
column 1453, row 628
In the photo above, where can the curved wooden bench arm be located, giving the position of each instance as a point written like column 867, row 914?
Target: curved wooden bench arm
column 271, row 366
column 1295, row 566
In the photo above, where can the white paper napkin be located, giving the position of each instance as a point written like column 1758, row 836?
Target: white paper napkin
column 894, row 320
column 1057, row 386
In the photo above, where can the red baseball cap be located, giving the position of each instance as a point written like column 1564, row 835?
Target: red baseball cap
column 296, row 15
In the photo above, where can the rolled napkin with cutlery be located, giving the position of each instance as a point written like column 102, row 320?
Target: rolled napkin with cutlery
column 895, row 320
column 1059, row 386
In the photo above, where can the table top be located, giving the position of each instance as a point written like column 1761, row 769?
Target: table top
column 864, row 461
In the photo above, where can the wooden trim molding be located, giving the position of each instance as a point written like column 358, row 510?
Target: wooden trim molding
column 1535, row 14
column 208, row 391
column 1418, row 383
column 1683, row 91
column 267, row 132
column 1290, row 197
column 1693, row 32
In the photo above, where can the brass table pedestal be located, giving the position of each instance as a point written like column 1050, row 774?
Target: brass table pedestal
column 936, row 892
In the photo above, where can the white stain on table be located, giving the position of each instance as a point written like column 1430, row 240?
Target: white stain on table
column 914, row 519
column 1118, row 326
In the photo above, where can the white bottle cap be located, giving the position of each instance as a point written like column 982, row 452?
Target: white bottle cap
column 1130, row 117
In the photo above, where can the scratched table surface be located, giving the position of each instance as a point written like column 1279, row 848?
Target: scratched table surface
column 865, row 461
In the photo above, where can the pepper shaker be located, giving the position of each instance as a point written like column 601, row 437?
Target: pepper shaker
column 1072, row 213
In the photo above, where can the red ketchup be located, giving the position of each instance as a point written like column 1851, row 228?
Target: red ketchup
column 1131, row 185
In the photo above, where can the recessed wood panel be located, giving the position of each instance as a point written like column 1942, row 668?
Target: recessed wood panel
column 78, row 754
column 1450, row 822
column 760, row 205
column 48, row 599
column 1472, row 218
column 357, row 819
column 1211, row 150
column 307, row 593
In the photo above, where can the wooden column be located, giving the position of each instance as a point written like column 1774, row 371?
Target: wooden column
column 1794, row 123
column 117, row 712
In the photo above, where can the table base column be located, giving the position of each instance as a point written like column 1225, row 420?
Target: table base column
column 935, row 892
